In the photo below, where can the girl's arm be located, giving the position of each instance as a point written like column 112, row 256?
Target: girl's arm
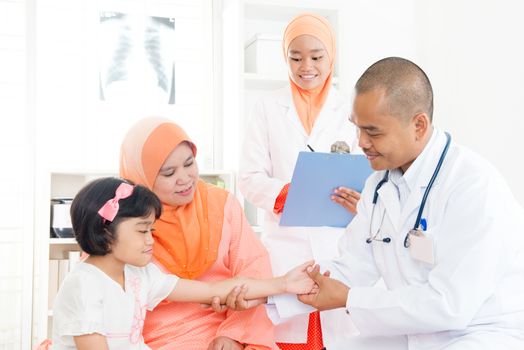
column 91, row 341
column 295, row 281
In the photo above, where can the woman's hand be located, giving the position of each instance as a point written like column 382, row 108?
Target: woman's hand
column 297, row 280
column 347, row 198
column 224, row 343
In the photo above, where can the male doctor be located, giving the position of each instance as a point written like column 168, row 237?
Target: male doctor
column 435, row 221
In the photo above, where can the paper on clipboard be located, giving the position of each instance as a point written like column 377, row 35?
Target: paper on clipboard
column 315, row 177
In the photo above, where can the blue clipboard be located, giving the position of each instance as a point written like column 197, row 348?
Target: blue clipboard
column 315, row 177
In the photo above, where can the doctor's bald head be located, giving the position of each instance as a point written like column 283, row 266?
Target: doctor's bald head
column 406, row 87
column 392, row 111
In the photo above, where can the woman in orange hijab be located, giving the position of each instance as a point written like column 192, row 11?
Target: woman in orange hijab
column 202, row 234
column 308, row 114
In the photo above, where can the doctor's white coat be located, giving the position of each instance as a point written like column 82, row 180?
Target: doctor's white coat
column 472, row 297
column 273, row 140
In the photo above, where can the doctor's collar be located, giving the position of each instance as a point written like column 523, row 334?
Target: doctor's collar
column 411, row 176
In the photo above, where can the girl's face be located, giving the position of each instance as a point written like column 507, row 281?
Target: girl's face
column 134, row 241
column 176, row 181
column 308, row 62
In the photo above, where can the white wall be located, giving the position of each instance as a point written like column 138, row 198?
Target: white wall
column 375, row 29
column 16, row 189
column 473, row 52
column 80, row 132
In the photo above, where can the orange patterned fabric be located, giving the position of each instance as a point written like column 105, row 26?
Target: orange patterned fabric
column 208, row 239
column 314, row 336
column 308, row 103
column 175, row 325
column 187, row 236
column 281, row 200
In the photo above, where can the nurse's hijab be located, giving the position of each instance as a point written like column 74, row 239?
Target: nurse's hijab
column 187, row 236
column 309, row 103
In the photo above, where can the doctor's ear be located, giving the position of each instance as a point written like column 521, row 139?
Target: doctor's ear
column 421, row 124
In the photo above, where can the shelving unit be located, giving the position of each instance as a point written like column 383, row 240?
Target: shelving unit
column 66, row 185
column 241, row 21
column 260, row 82
column 57, row 241
column 254, row 81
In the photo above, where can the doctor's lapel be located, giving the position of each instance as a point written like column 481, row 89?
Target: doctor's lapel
column 289, row 110
column 413, row 202
column 327, row 113
column 388, row 197
column 422, row 179
column 417, row 193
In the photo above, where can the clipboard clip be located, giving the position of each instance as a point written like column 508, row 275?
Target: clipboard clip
column 340, row 147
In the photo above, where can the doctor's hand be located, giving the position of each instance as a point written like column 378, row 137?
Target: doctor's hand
column 331, row 294
column 236, row 301
column 347, row 198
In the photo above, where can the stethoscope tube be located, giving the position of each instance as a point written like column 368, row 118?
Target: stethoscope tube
column 424, row 197
column 430, row 184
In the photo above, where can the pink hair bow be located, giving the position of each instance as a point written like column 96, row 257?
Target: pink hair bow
column 110, row 208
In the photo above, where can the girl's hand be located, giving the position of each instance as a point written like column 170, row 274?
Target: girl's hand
column 347, row 198
column 297, row 280
column 236, row 300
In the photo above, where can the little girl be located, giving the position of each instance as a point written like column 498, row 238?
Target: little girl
column 102, row 303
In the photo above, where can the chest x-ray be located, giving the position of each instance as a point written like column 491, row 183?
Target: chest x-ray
column 136, row 58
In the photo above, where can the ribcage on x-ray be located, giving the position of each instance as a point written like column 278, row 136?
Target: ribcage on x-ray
column 139, row 47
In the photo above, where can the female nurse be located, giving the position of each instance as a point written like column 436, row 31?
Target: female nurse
column 309, row 114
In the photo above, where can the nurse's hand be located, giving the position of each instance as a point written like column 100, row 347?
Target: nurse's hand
column 224, row 343
column 236, row 300
column 331, row 294
column 347, row 198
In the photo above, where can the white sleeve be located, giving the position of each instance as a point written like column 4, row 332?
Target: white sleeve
column 78, row 308
column 255, row 179
column 355, row 263
column 474, row 248
column 160, row 285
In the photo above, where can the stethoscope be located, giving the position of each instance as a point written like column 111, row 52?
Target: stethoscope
column 416, row 228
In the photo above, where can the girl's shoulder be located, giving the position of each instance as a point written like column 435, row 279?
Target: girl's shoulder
column 82, row 286
column 150, row 273
column 83, row 274
column 149, row 270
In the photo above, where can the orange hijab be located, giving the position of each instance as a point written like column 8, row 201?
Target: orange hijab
column 308, row 103
column 187, row 237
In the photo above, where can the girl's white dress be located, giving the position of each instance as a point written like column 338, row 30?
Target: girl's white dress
column 89, row 301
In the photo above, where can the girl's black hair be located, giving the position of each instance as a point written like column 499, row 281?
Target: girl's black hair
column 95, row 234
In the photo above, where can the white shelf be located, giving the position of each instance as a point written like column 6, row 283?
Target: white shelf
column 254, row 81
column 257, row 229
column 258, row 81
column 56, row 241
column 282, row 11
